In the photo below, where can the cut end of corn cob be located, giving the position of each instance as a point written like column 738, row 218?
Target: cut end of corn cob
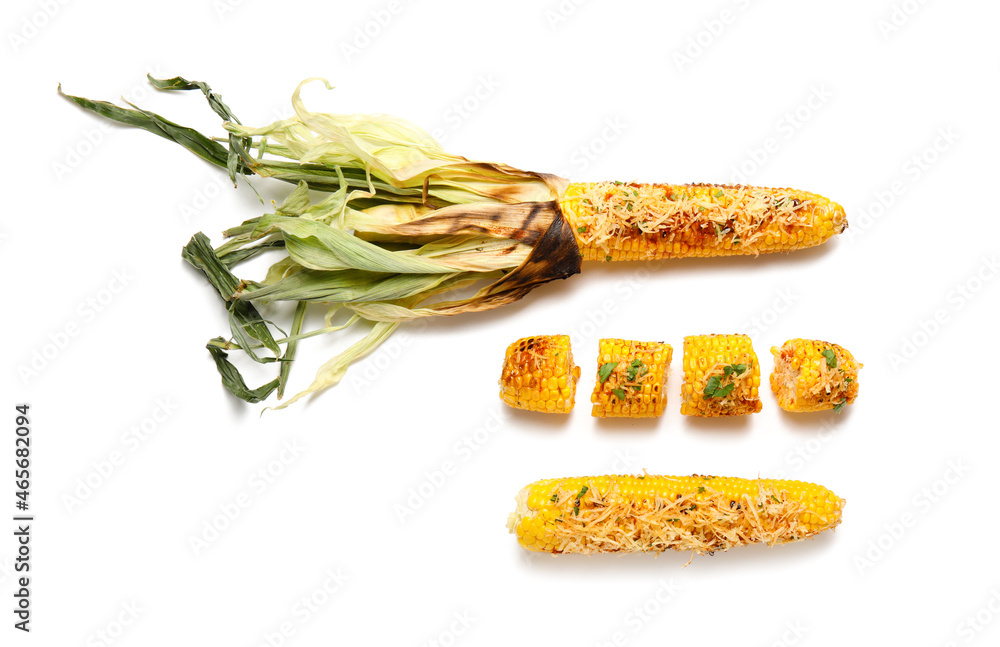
column 617, row 221
column 630, row 379
column 539, row 375
column 616, row 514
column 721, row 376
column 813, row 375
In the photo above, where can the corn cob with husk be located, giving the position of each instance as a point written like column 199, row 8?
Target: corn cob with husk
column 402, row 224
column 620, row 514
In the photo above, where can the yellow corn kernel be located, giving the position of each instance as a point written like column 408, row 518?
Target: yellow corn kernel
column 814, row 375
column 612, row 514
column 617, row 221
column 721, row 376
column 538, row 374
column 630, row 379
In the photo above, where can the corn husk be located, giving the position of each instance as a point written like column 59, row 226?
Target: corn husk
column 400, row 222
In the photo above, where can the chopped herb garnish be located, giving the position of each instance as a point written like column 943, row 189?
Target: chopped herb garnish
column 718, row 193
column 738, row 369
column 725, row 390
column 848, row 380
column 839, row 406
column 554, row 498
column 576, row 508
column 634, row 368
column 693, row 507
column 635, row 193
column 608, row 257
column 605, row 371
column 581, row 230
column 701, row 489
column 713, row 388
column 776, row 500
column 628, row 206
column 619, row 393
column 673, row 519
column 831, row 358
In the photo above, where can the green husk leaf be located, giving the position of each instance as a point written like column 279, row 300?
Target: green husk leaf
column 180, row 83
column 296, row 202
column 199, row 253
column 233, row 381
column 319, row 247
column 203, row 147
column 293, row 342
column 237, row 256
column 244, row 320
column 236, row 144
column 348, row 286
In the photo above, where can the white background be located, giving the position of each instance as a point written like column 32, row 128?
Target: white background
column 913, row 560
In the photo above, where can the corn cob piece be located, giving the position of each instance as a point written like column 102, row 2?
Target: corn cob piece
column 721, row 376
column 617, row 221
column 614, row 514
column 630, row 377
column 813, row 375
column 538, row 374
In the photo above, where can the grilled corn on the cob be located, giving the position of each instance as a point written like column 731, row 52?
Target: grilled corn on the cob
column 617, row 221
column 813, row 375
column 610, row 514
column 539, row 375
column 721, row 376
column 630, row 377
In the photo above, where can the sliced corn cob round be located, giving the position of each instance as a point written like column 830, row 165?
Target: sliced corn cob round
column 721, row 376
column 613, row 514
column 538, row 374
column 617, row 221
column 630, row 377
column 813, row 375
